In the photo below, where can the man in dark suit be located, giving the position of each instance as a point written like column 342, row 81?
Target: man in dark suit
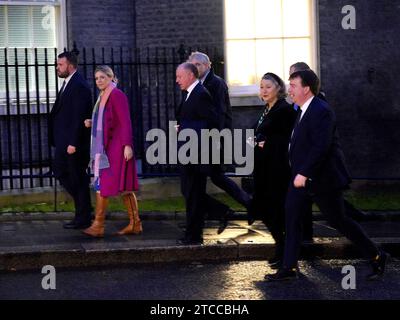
column 195, row 113
column 218, row 90
column 71, row 139
column 351, row 211
column 318, row 170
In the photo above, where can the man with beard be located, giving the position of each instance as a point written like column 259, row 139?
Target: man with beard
column 71, row 139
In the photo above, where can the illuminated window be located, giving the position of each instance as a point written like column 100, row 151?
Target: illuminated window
column 29, row 24
column 266, row 36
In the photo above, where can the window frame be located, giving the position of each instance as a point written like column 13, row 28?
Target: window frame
column 243, row 95
column 61, row 41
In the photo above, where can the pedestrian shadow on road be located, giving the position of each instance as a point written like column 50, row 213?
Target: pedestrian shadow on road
column 302, row 288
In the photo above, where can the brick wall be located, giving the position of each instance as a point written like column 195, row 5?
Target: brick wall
column 359, row 68
column 174, row 22
column 159, row 23
column 100, row 23
column 359, row 72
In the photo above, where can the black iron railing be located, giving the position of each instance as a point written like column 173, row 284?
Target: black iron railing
column 28, row 87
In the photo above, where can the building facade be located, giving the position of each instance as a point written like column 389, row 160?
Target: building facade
column 358, row 67
column 351, row 44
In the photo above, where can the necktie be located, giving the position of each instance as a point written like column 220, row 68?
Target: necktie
column 184, row 96
column 62, row 88
column 297, row 121
column 295, row 126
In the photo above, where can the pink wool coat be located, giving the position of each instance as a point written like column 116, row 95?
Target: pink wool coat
column 121, row 175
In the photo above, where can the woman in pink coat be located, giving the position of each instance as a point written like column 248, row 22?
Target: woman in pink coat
column 111, row 153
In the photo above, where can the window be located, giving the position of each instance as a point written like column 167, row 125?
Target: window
column 24, row 27
column 266, row 36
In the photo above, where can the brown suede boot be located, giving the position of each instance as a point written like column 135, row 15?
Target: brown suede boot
column 97, row 227
column 135, row 225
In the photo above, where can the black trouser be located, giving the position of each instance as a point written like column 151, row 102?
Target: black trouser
column 350, row 210
column 71, row 172
column 353, row 212
column 275, row 222
column 215, row 208
column 193, row 187
column 269, row 206
column 331, row 204
column 308, row 221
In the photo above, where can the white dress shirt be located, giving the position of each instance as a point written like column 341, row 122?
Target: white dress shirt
column 304, row 107
column 190, row 89
column 66, row 80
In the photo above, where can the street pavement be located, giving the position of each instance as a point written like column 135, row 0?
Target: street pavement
column 237, row 280
column 31, row 241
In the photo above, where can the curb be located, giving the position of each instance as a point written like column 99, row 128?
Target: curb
column 57, row 216
column 176, row 215
column 211, row 251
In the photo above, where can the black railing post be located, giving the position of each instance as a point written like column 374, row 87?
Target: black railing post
column 55, row 196
column 121, row 75
column 157, row 87
column 93, row 70
column 182, row 53
column 174, row 63
column 149, row 97
column 141, row 104
column 8, row 117
column 38, row 113
column 18, row 120
column 75, row 49
column 28, row 118
column 112, row 59
column 46, row 69
column 84, row 64
column 166, row 104
column 53, row 178
column 147, row 77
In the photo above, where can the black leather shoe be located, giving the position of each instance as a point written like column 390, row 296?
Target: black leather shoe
column 308, row 236
column 188, row 241
column 276, row 265
column 75, row 225
column 250, row 216
column 84, row 225
column 308, row 241
column 250, row 211
column 283, row 275
column 250, row 220
column 69, row 225
column 223, row 223
column 275, row 262
column 378, row 266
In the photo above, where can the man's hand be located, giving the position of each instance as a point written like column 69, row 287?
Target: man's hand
column 88, row 123
column 71, row 149
column 128, row 153
column 300, row 181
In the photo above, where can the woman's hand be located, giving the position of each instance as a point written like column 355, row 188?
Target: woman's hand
column 128, row 153
column 88, row 123
column 261, row 144
column 250, row 141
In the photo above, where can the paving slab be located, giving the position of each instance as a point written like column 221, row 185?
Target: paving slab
column 31, row 244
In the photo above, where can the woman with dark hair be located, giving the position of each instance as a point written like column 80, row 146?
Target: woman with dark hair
column 271, row 166
column 111, row 153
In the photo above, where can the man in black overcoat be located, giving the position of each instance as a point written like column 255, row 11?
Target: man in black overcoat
column 71, row 139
